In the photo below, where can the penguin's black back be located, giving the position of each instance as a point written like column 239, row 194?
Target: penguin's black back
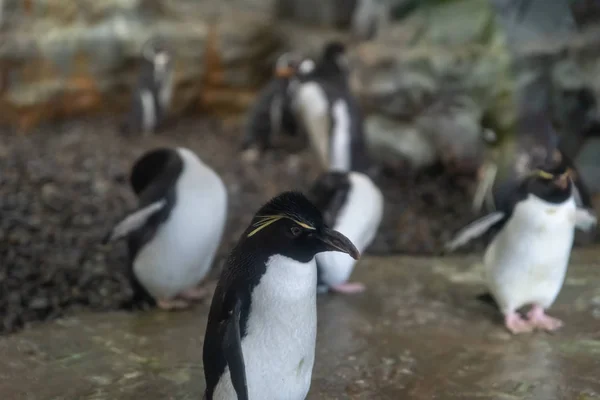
column 153, row 178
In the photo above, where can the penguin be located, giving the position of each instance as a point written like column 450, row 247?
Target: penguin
column 271, row 113
column 152, row 95
column 262, row 324
column 175, row 231
column 352, row 204
column 329, row 113
column 530, row 242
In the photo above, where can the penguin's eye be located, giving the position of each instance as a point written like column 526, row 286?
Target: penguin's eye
column 296, row 231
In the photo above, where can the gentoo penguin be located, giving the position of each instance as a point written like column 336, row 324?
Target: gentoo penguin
column 152, row 96
column 262, row 324
column 174, row 234
column 531, row 240
column 329, row 113
column 353, row 205
column 271, row 113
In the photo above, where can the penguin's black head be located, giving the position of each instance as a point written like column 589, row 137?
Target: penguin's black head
column 156, row 52
column 551, row 181
column 152, row 165
column 286, row 65
column 291, row 225
column 333, row 59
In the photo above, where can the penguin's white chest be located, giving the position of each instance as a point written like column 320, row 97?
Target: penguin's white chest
column 180, row 254
column 358, row 220
column 527, row 261
column 279, row 346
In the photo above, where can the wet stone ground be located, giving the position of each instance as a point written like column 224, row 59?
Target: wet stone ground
column 417, row 333
column 63, row 186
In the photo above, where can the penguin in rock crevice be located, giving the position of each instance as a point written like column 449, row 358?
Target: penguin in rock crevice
column 328, row 111
column 151, row 98
column 271, row 113
column 530, row 240
column 353, row 205
column 175, row 232
column 262, row 325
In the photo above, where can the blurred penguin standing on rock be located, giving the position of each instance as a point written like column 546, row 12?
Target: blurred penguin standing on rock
column 271, row 114
column 328, row 112
column 174, row 233
column 262, row 326
column 152, row 95
column 353, row 205
column 532, row 234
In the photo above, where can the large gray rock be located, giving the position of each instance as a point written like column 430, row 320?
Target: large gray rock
column 448, row 69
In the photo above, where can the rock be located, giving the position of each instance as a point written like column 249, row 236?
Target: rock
column 435, row 89
column 81, row 57
column 449, row 131
column 397, row 143
column 587, row 163
column 317, row 13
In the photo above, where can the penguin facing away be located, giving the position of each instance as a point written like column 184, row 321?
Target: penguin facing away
column 353, row 205
column 262, row 325
column 531, row 239
column 329, row 113
column 176, row 230
column 152, row 96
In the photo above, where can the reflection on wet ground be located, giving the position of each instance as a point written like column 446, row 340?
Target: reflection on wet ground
column 417, row 333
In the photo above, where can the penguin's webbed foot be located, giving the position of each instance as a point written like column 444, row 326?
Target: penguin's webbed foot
column 195, row 293
column 172, row 304
column 516, row 324
column 348, row 288
column 539, row 319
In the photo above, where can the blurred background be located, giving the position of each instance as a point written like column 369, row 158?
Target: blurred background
column 432, row 78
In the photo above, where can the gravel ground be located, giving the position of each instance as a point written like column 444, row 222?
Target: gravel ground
column 62, row 188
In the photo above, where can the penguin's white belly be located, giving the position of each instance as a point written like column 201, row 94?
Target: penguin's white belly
column 527, row 261
column 279, row 347
column 358, row 220
column 180, row 254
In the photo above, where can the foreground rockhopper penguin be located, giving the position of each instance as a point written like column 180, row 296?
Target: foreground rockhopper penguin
column 353, row 205
column 175, row 231
column 531, row 239
column 262, row 326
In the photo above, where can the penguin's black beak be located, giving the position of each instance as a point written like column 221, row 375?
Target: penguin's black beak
column 335, row 241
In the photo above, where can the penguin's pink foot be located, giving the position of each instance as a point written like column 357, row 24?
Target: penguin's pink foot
column 195, row 293
column 172, row 304
column 516, row 324
column 539, row 319
column 348, row 288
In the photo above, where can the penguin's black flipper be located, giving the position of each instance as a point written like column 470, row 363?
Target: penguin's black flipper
column 232, row 349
